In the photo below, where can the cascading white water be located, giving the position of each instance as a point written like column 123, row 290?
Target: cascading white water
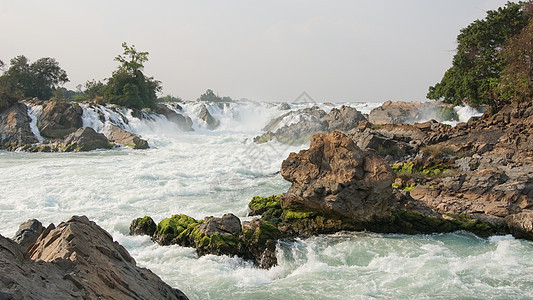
column 209, row 173
column 34, row 112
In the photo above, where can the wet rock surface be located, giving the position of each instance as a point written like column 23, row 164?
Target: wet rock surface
column 15, row 127
column 183, row 122
column 205, row 115
column 406, row 112
column 76, row 260
column 85, row 139
column 59, row 119
column 306, row 122
column 123, row 137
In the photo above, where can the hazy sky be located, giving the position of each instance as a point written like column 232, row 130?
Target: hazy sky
column 371, row 50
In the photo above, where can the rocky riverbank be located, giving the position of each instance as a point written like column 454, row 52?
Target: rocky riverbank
column 397, row 178
column 75, row 260
column 58, row 126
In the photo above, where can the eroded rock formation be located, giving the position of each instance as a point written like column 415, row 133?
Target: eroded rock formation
column 76, row 260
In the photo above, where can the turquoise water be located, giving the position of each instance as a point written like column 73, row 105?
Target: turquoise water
column 205, row 173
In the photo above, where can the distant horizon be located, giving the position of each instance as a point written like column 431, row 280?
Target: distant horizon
column 272, row 51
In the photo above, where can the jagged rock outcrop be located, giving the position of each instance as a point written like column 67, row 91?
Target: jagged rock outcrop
column 15, row 127
column 126, row 138
column 85, row 139
column 183, row 122
column 59, row 119
column 343, row 119
column 297, row 127
column 76, row 260
column 336, row 177
column 408, row 112
column 28, row 233
column 204, row 114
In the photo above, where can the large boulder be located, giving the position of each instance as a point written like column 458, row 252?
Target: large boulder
column 335, row 177
column 227, row 224
column 126, row 138
column 59, row 119
column 85, row 139
column 407, row 112
column 297, row 127
column 183, row 122
column 343, row 119
column 15, row 127
column 204, row 114
column 76, row 260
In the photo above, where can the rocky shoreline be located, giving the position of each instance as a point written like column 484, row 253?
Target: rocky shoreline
column 396, row 178
column 75, row 260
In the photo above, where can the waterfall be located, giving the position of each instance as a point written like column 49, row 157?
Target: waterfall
column 34, row 112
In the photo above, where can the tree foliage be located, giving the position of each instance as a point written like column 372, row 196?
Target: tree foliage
column 477, row 65
column 516, row 83
column 128, row 86
column 132, row 60
column 38, row 79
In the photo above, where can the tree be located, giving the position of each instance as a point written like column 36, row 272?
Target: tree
column 516, row 83
column 38, row 80
column 477, row 64
column 128, row 86
column 132, row 60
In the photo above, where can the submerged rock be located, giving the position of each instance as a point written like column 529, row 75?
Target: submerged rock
column 85, row 139
column 76, row 260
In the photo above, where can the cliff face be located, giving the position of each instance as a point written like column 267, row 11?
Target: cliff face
column 76, row 260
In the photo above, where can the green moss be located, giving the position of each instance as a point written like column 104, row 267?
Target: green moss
column 267, row 231
column 293, row 214
column 405, row 188
column 410, row 169
column 146, row 220
column 259, row 205
column 176, row 225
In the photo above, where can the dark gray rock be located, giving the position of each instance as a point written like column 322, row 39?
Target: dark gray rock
column 183, row 122
column 228, row 224
column 143, row 226
column 59, row 119
column 211, row 122
column 85, row 139
column 15, row 127
column 28, row 233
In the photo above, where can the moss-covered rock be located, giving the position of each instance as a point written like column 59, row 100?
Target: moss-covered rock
column 143, row 226
column 170, row 228
column 259, row 205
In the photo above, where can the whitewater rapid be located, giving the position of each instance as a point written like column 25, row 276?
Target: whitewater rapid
column 209, row 173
